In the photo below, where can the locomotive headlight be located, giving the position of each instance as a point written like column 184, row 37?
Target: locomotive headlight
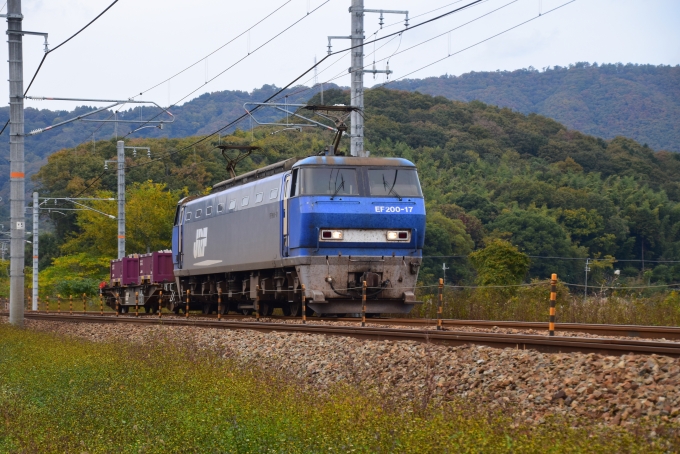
column 331, row 235
column 397, row 235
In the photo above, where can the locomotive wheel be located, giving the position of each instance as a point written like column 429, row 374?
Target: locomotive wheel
column 309, row 312
column 292, row 309
column 266, row 309
column 123, row 309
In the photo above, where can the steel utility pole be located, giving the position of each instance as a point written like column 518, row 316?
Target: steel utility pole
column 16, row 153
column 357, row 71
column 356, row 135
column 120, row 147
column 36, row 220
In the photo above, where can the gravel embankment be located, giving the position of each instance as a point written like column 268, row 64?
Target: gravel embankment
column 527, row 384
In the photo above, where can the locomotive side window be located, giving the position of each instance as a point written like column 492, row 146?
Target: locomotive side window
column 198, row 213
column 220, row 207
column 208, row 211
column 244, row 201
column 295, row 184
column 188, row 215
column 258, row 197
column 274, row 193
column 232, row 205
column 331, row 181
column 394, row 183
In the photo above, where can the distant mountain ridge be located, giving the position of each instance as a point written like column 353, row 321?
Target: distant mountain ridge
column 641, row 102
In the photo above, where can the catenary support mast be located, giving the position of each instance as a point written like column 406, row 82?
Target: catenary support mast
column 356, row 136
column 36, row 221
column 16, row 153
column 121, row 198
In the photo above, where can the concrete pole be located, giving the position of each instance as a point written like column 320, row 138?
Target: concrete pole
column 16, row 157
column 357, row 83
column 121, row 198
column 36, row 220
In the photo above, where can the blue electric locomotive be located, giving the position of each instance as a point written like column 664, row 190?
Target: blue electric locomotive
column 324, row 224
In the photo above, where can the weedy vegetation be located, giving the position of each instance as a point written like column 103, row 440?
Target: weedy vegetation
column 59, row 394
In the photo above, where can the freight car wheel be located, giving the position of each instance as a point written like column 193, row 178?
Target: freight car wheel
column 247, row 311
column 175, row 310
column 207, row 309
column 223, row 309
column 147, row 309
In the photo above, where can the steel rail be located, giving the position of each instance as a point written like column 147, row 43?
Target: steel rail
column 453, row 338
column 638, row 331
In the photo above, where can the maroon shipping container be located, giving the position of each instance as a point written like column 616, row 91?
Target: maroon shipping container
column 125, row 271
column 156, row 267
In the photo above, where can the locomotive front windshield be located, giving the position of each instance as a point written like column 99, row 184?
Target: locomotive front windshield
column 394, row 182
column 331, row 181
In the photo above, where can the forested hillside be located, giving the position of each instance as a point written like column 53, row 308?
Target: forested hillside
column 637, row 101
column 487, row 173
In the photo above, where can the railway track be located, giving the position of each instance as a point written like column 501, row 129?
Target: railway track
column 545, row 344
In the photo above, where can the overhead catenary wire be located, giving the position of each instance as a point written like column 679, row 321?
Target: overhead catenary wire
column 64, row 42
column 216, row 50
column 235, row 121
column 55, row 48
column 239, row 61
column 478, row 43
column 97, row 178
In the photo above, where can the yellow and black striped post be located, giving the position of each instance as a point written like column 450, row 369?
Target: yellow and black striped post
column 101, row 304
column 553, row 298
column 363, row 304
column 257, row 303
column 47, row 304
column 219, row 303
column 440, row 308
column 70, row 304
column 136, row 304
column 30, row 306
column 186, row 310
column 304, row 305
column 160, row 304
column 84, row 304
column 117, row 303
column 58, row 303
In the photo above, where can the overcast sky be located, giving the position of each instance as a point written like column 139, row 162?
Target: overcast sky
column 138, row 44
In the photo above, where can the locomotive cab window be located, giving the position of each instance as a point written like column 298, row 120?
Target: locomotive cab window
column 220, row 207
column 198, row 213
column 188, row 215
column 332, row 181
column 244, row 201
column 232, row 205
column 274, row 193
column 258, row 197
column 208, row 211
column 394, row 183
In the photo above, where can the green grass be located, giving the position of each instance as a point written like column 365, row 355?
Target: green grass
column 64, row 395
column 532, row 304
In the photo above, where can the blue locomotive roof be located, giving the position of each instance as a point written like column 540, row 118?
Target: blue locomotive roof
column 353, row 161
